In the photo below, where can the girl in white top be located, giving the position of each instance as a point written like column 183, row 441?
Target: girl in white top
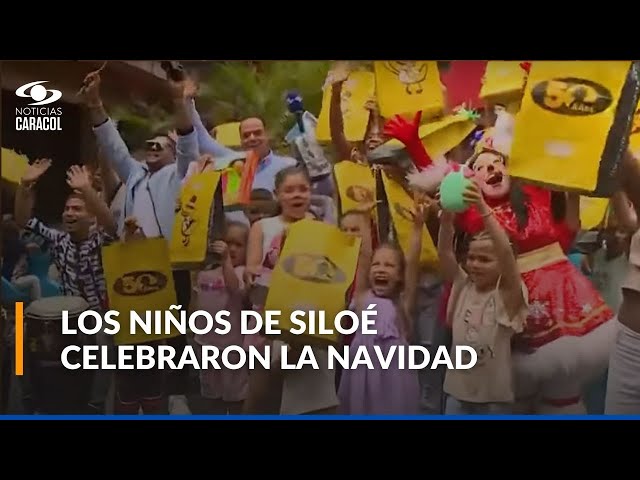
column 488, row 304
column 301, row 391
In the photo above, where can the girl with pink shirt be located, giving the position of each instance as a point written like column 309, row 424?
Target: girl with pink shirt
column 223, row 289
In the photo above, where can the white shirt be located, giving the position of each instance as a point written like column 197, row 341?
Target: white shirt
column 143, row 209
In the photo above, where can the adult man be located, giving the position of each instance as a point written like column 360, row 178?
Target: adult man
column 152, row 187
column 76, row 250
column 253, row 136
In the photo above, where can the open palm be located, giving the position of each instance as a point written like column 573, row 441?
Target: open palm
column 36, row 170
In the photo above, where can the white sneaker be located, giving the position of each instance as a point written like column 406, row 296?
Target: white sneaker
column 178, row 405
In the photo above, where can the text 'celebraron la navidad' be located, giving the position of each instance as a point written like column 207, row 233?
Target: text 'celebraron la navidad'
column 279, row 355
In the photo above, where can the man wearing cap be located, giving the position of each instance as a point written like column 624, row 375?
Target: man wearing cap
column 152, row 187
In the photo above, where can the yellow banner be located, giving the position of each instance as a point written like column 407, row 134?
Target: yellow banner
column 357, row 90
column 14, row 166
column 139, row 278
column 407, row 86
column 442, row 136
column 503, row 82
column 592, row 211
column 401, row 209
column 356, row 184
column 566, row 114
column 194, row 218
column 318, row 263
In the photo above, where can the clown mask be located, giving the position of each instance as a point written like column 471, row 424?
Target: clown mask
column 491, row 172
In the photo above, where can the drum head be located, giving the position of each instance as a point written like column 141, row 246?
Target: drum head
column 52, row 307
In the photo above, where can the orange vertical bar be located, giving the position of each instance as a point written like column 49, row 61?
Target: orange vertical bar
column 19, row 339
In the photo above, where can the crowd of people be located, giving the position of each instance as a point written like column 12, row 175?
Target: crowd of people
column 551, row 310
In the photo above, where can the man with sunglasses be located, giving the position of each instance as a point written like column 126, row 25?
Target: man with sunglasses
column 151, row 189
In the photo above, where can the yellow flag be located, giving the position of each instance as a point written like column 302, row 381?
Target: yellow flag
column 592, row 211
column 14, row 166
column 401, row 209
column 503, row 83
column 407, row 86
column 199, row 211
column 318, row 262
column 228, row 134
column 566, row 115
column 634, row 138
column 356, row 184
column 139, row 278
column 357, row 90
column 443, row 135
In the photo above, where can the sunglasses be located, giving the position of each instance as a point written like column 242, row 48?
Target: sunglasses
column 156, row 145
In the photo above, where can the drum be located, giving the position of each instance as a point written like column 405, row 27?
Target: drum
column 55, row 390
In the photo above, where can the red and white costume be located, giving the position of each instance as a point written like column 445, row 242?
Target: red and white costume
column 569, row 332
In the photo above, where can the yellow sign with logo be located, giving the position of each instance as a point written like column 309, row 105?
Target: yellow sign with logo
column 357, row 90
column 567, row 113
column 401, row 209
column 356, row 185
column 503, row 82
column 407, row 86
column 139, row 278
column 317, row 265
column 199, row 218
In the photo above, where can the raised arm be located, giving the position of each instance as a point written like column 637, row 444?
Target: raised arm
column 364, row 265
column 79, row 179
column 511, row 281
column 110, row 180
column 446, row 254
column 206, row 143
column 25, row 195
column 412, row 269
column 108, row 138
column 231, row 281
column 187, row 143
column 336, row 123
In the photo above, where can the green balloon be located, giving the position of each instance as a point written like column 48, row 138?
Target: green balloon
column 451, row 190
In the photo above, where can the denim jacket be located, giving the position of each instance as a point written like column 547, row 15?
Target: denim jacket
column 164, row 185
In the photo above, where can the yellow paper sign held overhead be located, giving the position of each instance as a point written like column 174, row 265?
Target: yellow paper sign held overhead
column 407, row 86
column 357, row 90
column 14, row 165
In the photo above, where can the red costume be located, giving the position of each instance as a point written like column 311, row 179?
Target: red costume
column 562, row 301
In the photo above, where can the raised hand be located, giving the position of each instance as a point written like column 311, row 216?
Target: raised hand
column 35, row 171
column 78, row 178
column 472, row 194
column 132, row 230
column 90, row 91
column 404, row 130
column 339, row 73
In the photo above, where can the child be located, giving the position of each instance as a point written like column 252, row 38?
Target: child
column 302, row 391
column 488, row 304
column 222, row 289
column 386, row 280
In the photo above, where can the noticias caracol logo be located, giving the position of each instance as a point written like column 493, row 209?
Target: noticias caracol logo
column 36, row 117
column 38, row 93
